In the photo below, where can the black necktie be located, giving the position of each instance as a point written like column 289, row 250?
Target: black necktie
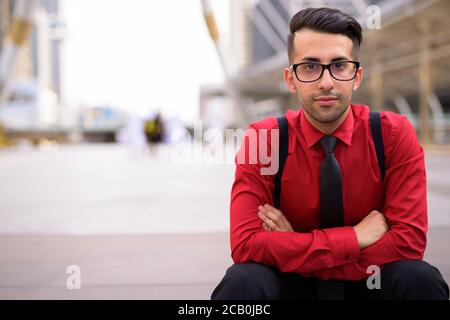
column 330, row 186
column 331, row 209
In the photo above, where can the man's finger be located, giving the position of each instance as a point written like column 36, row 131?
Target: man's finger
column 266, row 216
column 264, row 210
column 275, row 216
column 271, row 225
column 269, row 207
column 269, row 222
column 262, row 216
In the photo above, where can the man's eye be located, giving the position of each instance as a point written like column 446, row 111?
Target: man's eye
column 338, row 65
column 309, row 66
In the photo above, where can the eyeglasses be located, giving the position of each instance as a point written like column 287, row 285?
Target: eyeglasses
column 313, row 71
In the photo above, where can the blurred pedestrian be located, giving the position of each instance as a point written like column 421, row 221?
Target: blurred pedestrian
column 154, row 132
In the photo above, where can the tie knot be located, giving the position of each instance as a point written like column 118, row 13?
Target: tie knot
column 328, row 143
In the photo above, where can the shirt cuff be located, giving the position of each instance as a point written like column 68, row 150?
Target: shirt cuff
column 343, row 244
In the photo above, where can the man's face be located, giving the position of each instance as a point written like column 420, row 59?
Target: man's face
column 326, row 99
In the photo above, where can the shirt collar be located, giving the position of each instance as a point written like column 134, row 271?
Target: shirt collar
column 344, row 132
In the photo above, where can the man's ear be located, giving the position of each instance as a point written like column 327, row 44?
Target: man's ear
column 358, row 79
column 289, row 80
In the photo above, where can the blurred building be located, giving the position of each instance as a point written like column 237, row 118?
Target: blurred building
column 6, row 7
column 406, row 62
column 37, row 90
column 57, row 34
column 101, row 123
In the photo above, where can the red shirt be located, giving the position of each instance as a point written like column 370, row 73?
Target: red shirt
column 334, row 252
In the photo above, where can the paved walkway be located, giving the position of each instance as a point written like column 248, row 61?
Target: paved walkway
column 138, row 227
column 177, row 266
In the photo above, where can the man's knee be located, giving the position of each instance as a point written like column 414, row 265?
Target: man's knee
column 413, row 279
column 248, row 281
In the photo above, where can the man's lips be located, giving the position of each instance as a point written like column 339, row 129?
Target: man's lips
column 325, row 98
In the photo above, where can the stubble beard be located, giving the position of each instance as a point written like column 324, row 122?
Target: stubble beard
column 326, row 114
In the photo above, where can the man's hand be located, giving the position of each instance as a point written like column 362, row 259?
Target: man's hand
column 371, row 229
column 273, row 220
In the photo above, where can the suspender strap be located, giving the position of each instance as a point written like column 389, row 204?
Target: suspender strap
column 283, row 152
column 375, row 126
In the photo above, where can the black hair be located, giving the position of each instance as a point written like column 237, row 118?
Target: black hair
column 324, row 20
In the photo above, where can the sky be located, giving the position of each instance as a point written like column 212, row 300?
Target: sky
column 141, row 55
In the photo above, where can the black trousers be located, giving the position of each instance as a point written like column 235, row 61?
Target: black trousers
column 402, row 280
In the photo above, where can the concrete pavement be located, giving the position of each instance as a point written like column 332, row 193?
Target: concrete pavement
column 176, row 266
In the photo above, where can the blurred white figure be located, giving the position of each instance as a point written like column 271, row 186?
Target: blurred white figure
column 215, row 119
column 132, row 135
column 176, row 131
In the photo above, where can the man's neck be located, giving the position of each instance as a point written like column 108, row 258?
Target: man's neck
column 330, row 127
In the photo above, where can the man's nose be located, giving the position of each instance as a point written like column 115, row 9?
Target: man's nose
column 326, row 81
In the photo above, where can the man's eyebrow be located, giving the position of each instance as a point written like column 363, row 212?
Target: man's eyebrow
column 313, row 59
column 340, row 59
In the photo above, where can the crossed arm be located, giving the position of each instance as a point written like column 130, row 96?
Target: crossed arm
column 368, row 231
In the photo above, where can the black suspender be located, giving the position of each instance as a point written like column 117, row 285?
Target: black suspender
column 282, row 155
column 375, row 126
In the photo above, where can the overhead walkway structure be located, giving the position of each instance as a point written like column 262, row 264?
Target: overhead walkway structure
column 406, row 60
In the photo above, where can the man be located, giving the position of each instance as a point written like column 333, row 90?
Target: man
column 380, row 220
